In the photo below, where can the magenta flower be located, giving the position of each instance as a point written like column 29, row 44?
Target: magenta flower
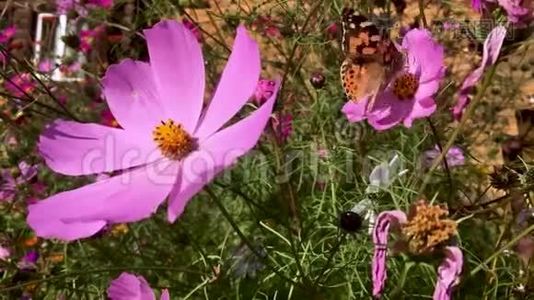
column 451, row 267
column 20, row 84
column 409, row 95
column 29, row 260
column 87, row 38
column 455, row 156
column 477, row 5
column 101, row 3
column 130, row 287
column 7, row 33
column 193, row 28
column 46, row 65
column 8, row 183
column 516, row 10
column 449, row 272
column 65, row 6
column 267, row 26
column 282, row 125
column 380, row 239
column 264, row 90
column 492, row 48
column 164, row 148
column 4, row 253
column 332, row 31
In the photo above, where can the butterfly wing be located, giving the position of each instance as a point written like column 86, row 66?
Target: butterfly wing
column 371, row 59
column 361, row 79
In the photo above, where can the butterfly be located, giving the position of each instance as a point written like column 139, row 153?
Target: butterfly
column 371, row 58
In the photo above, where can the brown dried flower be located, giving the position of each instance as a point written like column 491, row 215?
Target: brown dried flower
column 427, row 227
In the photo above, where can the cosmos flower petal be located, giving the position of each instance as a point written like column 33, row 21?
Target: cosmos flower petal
column 380, row 239
column 130, row 287
column 491, row 50
column 388, row 111
column 448, row 273
column 132, row 96
column 73, row 148
column 427, row 53
column 422, row 109
column 178, row 69
column 165, row 295
column 216, row 154
column 236, row 86
column 131, row 196
column 355, row 111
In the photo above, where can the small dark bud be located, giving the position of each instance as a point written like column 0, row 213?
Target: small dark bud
column 317, row 80
column 503, row 178
column 72, row 41
column 72, row 14
column 350, row 221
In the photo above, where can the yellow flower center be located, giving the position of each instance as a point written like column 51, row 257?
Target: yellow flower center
column 172, row 140
column 427, row 227
column 405, row 86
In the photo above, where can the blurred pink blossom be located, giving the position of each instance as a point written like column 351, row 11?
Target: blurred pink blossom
column 492, row 48
column 20, row 84
column 131, row 287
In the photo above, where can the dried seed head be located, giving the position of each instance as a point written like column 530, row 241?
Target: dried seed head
column 427, row 228
column 503, row 178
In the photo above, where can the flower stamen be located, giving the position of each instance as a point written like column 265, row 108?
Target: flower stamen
column 405, row 86
column 172, row 140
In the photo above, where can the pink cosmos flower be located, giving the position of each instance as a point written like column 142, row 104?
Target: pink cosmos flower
column 130, row 287
column 409, row 95
column 165, row 149
column 492, row 48
column 20, row 84
column 448, row 272
column 455, row 156
column 380, row 239
column 4, row 253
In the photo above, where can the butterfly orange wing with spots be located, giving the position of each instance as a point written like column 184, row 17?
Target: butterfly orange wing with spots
column 370, row 57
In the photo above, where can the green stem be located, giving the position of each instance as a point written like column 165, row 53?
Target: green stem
column 507, row 246
column 438, row 143
column 247, row 242
column 96, row 271
column 329, row 260
column 465, row 117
